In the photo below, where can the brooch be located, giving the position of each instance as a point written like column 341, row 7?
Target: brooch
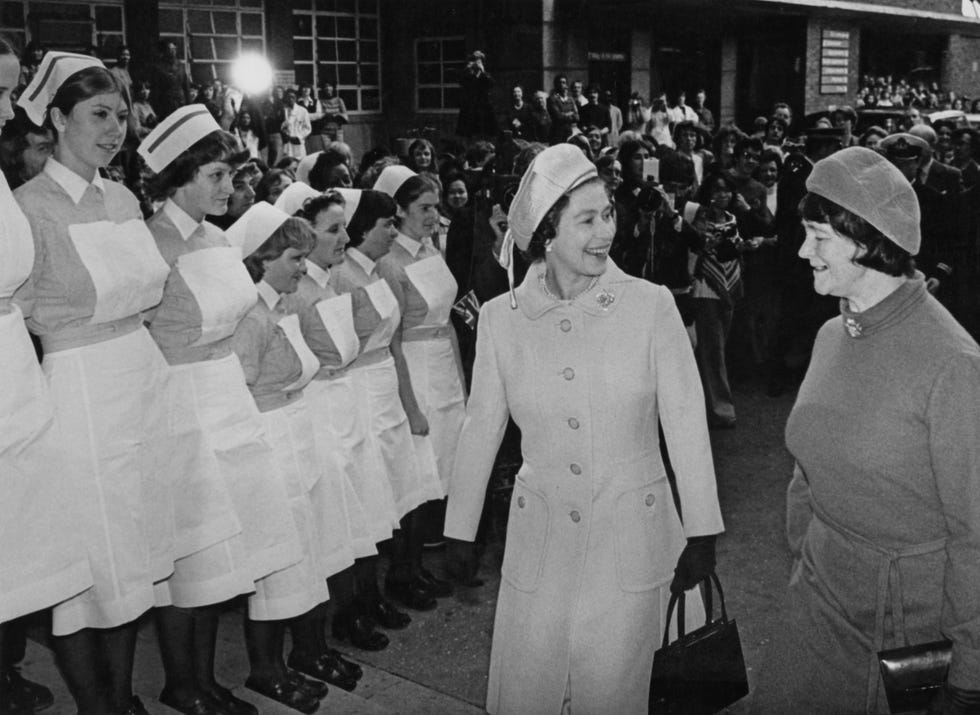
column 853, row 327
column 605, row 298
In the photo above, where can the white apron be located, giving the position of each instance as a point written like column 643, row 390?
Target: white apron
column 342, row 518
column 434, row 368
column 380, row 407
column 294, row 590
column 41, row 560
column 109, row 398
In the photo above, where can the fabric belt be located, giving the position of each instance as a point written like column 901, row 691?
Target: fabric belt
column 90, row 334
column 889, row 588
column 426, row 332
column 369, row 358
column 275, row 400
column 203, row 353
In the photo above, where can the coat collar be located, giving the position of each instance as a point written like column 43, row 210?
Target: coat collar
column 604, row 298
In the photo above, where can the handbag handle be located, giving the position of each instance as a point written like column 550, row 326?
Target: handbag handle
column 677, row 599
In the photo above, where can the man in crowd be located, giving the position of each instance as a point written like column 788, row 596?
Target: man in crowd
column 170, row 87
column 295, row 127
column 121, row 69
column 476, row 117
column 563, row 110
column 24, row 148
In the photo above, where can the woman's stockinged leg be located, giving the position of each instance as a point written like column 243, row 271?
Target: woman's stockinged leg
column 175, row 631
column 81, row 663
column 262, row 638
column 119, row 648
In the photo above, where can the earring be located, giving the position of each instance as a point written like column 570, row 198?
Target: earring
column 548, row 247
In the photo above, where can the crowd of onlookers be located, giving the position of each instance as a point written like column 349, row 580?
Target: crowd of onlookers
column 884, row 91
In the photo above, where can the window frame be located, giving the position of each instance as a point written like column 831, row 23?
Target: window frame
column 443, row 85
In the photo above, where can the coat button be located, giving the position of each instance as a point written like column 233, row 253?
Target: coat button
column 565, row 325
column 568, row 373
column 575, row 517
column 521, row 502
column 650, row 499
column 575, row 469
column 573, row 423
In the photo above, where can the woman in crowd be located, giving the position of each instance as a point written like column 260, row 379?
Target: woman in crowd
column 422, row 157
column 611, row 171
column 331, row 124
column 41, row 562
column 96, row 268
column 278, row 364
column 271, row 185
column 882, row 512
column 145, row 117
column 330, row 171
column 634, row 209
column 430, row 379
column 775, row 135
column 249, row 133
column 723, row 147
column 586, row 363
column 690, row 142
column 232, row 521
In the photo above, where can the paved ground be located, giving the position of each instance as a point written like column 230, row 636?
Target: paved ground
column 438, row 665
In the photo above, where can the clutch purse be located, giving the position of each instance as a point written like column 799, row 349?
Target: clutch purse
column 915, row 674
column 702, row 671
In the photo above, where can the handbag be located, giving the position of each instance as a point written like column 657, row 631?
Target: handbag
column 702, row 671
column 915, row 674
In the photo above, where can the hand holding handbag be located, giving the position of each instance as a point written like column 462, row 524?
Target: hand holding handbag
column 702, row 671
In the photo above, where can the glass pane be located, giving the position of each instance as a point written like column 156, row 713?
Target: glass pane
column 224, row 23
column 250, row 3
column 347, row 74
column 252, row 24
column 108, row 19
column 454, row 50
column 350, row 99
column 369, row 28
column 346, row 27
column 201, row 48
column 346, row 6
column 302, row 26
column 430, row 74
column 171, row 21
column 450, row 96
column 11, row 14
column 325, row 5
column 109, row 45
column 253, row 44
column 428, row 51
column 347, row 50
column 303, row 50
column 304, row 73
column 326, row 27
column 227, row 47
column 369, row 74
column 369, row 7
column 327, row 73
column 430, row 98
column 371, row 100
column 199, row 20
column 202, row 72
column 302, row 4
column 369, row 51
column 226, row 3
column 326, row 51
column 451, row 73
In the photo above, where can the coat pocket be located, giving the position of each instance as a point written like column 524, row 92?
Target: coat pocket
column 527, row 538
column 644, row 547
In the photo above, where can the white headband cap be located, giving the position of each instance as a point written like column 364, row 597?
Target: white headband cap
column 55, row 68
column 295, row 195
column 352, row 197
column 176, row 134
column 392, row 178
column 254, row 227
column 306, row 165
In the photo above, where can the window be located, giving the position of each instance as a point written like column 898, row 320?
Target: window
column 337, row 41
column 71, row 26
column 439, row 61
column 212, row 33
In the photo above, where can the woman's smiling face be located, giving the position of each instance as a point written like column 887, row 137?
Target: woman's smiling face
column 831, row 256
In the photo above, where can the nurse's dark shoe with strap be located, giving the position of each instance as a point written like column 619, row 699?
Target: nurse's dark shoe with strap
column 23, row 695
column 230, row 705
column 411, row 594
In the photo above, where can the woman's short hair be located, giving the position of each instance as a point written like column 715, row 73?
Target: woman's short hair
column 746, row 143
column 293, row 233
column 324, row 164
column 547, row 230
column 771, row 155
column 722, row 136
column 413, row 188
column 372, row 207
column 880, row 252
column 216, row 146
column 82, row 85
column 420, row 144
column 688, row 126
column 272, row 178
column 312, row 207
column 710, row 183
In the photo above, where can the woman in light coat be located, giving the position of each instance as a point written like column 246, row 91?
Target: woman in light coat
column 586, row 359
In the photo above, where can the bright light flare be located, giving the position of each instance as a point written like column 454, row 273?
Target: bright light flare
column 252, row 74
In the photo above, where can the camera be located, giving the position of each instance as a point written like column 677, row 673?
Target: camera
column 649, row 199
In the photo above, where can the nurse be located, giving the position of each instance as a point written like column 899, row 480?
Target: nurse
column 41, row 561
column 430, row 375
column 96, row 269
column 278, row 364
column 328, row 323
column 233, row 524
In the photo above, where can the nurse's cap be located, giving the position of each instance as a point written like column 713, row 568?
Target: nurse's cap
column 181, row 130
column 296, row 194
column 55, row 68
column 553, row 173
column 305, row 166
column 870, row 186
column 254, row 227
column 392, row 178
column 352, row 199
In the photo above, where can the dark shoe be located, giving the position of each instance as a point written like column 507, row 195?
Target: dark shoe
column 411, row 594
column 322, row 668
column 135, row 708
column 387, row 616
column 434, row 585
column 356, row 627
column 347, row 667
column 316, row 688
column 200, row 705
column 23, row 694
column 286, row 693
column 231, row 705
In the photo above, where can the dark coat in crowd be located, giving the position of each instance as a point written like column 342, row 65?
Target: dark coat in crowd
column 476, row 118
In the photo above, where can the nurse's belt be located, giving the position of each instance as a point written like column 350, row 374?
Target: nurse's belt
column 181, row 130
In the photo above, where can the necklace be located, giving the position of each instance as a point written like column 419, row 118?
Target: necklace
column 547, row 291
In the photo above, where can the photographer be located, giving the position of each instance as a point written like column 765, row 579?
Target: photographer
column 636, row 201
column 476, row 118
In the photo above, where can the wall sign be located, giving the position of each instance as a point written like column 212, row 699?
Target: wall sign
column 835, row 56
